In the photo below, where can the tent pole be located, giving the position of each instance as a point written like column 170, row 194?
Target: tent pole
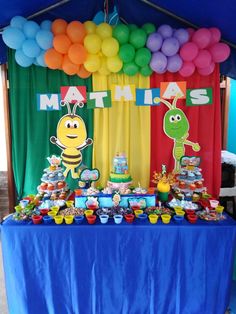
column 58, row 4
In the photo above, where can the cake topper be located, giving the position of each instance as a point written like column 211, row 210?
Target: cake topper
column 71, row 139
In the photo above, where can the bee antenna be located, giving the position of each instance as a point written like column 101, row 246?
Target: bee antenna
column 167, row 103
column 65, row 103
column 78, row 104
column 178, row 95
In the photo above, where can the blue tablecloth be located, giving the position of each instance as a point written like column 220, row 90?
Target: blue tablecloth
column 118, row 269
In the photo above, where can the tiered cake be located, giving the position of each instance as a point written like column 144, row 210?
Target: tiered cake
column 53, row 180
column 120, row 176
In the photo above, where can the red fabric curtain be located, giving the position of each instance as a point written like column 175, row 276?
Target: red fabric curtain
column 205, row 129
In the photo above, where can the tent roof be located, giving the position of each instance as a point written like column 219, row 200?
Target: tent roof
column 201, row 13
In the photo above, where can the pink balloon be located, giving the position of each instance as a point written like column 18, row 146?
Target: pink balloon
column 189, row 51
column 203, row 59
column 208, row 70
column 191, row 31
column 202, row 37
column 215, row 35
column 187, row 69
column 220, row 52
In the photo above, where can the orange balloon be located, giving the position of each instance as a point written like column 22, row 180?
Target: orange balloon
column 59, row 26
column 77, row 53
column 76, row 31
column 53, row 59
column 61, row 43
column 68, row 67
column 83, row 73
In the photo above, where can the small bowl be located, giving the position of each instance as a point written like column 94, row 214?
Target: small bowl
column 78, row 219
column 91, row 219
column 59, row 219
column 118, row 219
column 166, row 218
column 44, row 211
column 103, row 218
column 52, row 213
column 137, row 212
column 129, row 218
column 153, row 218
column 178, row 219
column 142, row 217
column 88, row 212
column 47, row 220
column 180, row 212
column 192, row 218
column 69, row 219
column 37, row 219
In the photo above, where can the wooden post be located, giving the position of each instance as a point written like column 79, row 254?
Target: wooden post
column 11, row 184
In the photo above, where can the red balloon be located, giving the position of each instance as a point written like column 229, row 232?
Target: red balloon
column 202, row 37
column 189, row 51
column 187, row 69
column 208, row 70
column 215, row 35
column 203, row 59
column 220, row 52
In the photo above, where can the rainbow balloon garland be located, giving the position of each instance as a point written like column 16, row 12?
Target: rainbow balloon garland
column 85, row 48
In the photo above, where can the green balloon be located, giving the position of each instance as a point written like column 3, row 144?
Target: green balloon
column 127, row 53
column 146, row 70
column 132, row 27
column 121, row 33
column 142, row 57
column 138, row 38
column 149, row 28
column 130, row 68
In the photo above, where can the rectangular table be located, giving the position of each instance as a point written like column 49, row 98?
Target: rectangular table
column 118, row 269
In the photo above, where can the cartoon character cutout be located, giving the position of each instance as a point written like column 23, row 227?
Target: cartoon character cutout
column 176, row 127
column 71, row 139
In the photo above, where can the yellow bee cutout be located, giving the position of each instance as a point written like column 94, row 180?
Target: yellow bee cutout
column 71, row 139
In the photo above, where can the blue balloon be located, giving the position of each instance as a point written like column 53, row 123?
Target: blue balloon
column 46, row 25
column 44, row 39
column 40, row 59
column 18, row 21
column 22, row 59
column 30, row 29
column 13, row 37
column 31, row 48
column 182, row 35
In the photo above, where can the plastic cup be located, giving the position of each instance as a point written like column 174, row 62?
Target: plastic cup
column 137, row 212
column 24, row 203
column 44, row 211
column 52, row 213
column 47, row 220
column 18, row 208
column 190, row 212
column 166, row 218
column 129, row 218
column 153, row 218
column 55, row 208
column 58, row 219
column 192, row 218
column 78, row 219
column 180, row 212
column 214, row 203
column 88, row 212
column 142, row 217
column 134, row 208
column 219, row 209
column 104, row 218
column 91, row 219
column 118, row 219
column 178, row 208
column 69, row 203
column 78, row 192
column 178, row 219
column 37, row 219
column 69, row 219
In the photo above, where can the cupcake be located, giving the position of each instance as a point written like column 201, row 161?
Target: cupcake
column 191, row 176
column 51, row 177
column 182, row 175
column 199, row 184
column 192, row 186
column 50, row 187
column 198, row 175
column 45, row 177
column 43, row 186
column 60, row 184
column 182, row 185
column 60, row 176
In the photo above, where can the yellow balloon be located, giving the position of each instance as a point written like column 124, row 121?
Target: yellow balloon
column 92, row 63
column 114, row 64
column 103, row 68
column 110, row 47
column 104, row 30
column 90, row 27
column 92, row 43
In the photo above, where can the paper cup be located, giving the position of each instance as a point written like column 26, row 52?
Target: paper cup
column 69, row 219
column 104, row 218
column 153, row 218
column 78, row 219
column 58, row 219
column 137, row 212
column 166, row 218
column 118, row 219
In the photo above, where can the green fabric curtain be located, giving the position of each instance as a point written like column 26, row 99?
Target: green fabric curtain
column 31, row 129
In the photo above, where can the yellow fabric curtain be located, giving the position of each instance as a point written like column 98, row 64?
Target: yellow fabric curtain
column 124, row 127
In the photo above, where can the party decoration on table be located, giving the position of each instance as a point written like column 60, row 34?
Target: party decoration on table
column 176, row 127
column 92, row 202
column 116, row 199
column 71, row 139
column 164, row 181
column 89, row 175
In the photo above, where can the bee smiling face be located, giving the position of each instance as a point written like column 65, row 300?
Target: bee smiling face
column 175, row 124
column 71, row 131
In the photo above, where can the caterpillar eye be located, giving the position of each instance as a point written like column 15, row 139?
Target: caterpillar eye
column 172, row 119
column 76, row 124
column 178, row 117
column 68, row 124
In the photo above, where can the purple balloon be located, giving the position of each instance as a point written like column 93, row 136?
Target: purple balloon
column 165, row 30
column 170, row 46
column 158, row 62
column 174, row 63
column 182, row 35
column 154, row 42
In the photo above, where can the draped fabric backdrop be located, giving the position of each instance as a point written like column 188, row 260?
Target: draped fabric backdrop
column 205, row 128
column 124, row 127
column 31, row 129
